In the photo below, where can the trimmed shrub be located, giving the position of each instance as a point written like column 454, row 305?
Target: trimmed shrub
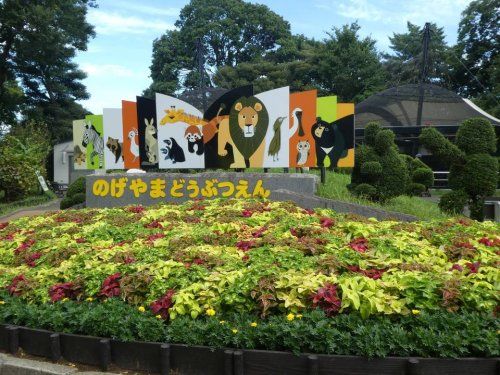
column 453, row 202
column 476, row 136
column 366, row 191
column 473, row 171
column 482, row 175
column 66, row 202
column 423, row 176
column 371, row 130
column 371, row 169
column 395, row 175
column 415, row 189
column 78, row 186
column 384, row 141
column 78, row 198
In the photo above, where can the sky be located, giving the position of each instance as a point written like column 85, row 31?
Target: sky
column 117, row 60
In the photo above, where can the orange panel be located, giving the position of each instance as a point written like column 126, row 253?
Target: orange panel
column 130, row 135
column 306, row 102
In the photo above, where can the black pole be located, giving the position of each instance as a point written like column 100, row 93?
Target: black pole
column 323, row 174
column 423, row 71
column 201, row 71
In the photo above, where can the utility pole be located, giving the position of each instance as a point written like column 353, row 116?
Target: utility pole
column 201, row 71
column 423, row 70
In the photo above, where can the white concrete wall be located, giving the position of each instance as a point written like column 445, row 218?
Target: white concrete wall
column 61, row 162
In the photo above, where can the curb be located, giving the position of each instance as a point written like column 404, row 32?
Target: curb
column 10, row 365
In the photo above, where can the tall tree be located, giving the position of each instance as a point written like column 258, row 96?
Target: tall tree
column 347, row 65
column 404, row 65
column 38, row 41
column 290, row 65
column 231, row 32
column 476, row 55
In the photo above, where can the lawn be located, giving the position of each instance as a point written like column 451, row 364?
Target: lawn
column 34, row 200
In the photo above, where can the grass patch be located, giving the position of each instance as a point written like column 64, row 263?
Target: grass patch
column 336, row 188
column 34, row 200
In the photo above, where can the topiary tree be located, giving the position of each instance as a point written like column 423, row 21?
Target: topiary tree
column 473, row 170
column 380, row 172
column 75, row 194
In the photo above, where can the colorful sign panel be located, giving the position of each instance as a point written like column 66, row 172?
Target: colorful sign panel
column 148, row 133
column 93, row 141
column 130, row 130
column 113, row 138
column 239, row 130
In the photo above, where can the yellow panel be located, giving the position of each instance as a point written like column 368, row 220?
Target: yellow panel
column 344, row 109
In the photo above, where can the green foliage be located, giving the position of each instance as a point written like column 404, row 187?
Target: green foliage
column 30, row 201
column 371, row 131
column 378, row 162
column 432, row 334
column 366, row 191
column 453, row 202
column 66, row 202
column 415, row 189
column 472, row 169
column 44, row 85
column 344, row 55
column 22, row 152
column 476, row 136
column 70, row 201
column 478, row 49
column 404, row 65
column 440, row 146
column 480, row 175
column 78, row 186
column 423, row 176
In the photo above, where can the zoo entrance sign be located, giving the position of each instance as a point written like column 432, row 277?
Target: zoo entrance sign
column 240, row 129
column 122, row 189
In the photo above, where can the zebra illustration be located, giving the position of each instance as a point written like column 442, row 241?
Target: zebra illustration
column 91, row 136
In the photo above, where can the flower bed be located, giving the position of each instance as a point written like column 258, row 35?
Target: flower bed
column 256, row 275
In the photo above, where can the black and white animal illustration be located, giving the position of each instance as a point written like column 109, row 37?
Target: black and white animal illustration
column 275, row 144
column 194, row 139
column 297, row 122
column 173, row 151
column 303, row 148
column 330, row 141
column 151, row 141
column 92, row 136
column 116, row 147
column 134, row 147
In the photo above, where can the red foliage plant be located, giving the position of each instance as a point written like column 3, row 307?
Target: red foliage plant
column 259, row 232
column 359, row 244
column 111, row 286
column 326, row 222
column 327, row 299
column 245, row 245
column 16, row 285
column 154, row 224
column 64, row 290
column 136, row 209
column 473, row 267
column 155, row 236
column 30, row 259
column 25, row 245
column 246, row 213
column 373, row 273
column 162, row 305
column 4, row 225
column 488, row 242
column 456, row 267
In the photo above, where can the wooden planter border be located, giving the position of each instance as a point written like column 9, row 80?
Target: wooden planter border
column 160, row 358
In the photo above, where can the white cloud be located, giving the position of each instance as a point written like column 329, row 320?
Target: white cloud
column 443, row 12
column 101, row 70
column 115, row 23
column 146, row 9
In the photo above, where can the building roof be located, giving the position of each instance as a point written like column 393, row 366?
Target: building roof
column 398, row 106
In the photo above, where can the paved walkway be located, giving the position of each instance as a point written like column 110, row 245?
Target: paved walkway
column 32, row 211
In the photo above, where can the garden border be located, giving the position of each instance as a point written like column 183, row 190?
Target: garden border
column 190, row 360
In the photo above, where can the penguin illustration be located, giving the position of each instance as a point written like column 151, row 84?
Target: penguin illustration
column 173, row 151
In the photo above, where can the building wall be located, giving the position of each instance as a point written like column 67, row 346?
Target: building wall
column 62, row 160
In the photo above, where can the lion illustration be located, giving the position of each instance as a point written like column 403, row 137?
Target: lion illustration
column 245, row 130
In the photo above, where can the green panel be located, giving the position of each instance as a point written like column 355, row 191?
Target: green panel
column 95, row 120
column 326, row 108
